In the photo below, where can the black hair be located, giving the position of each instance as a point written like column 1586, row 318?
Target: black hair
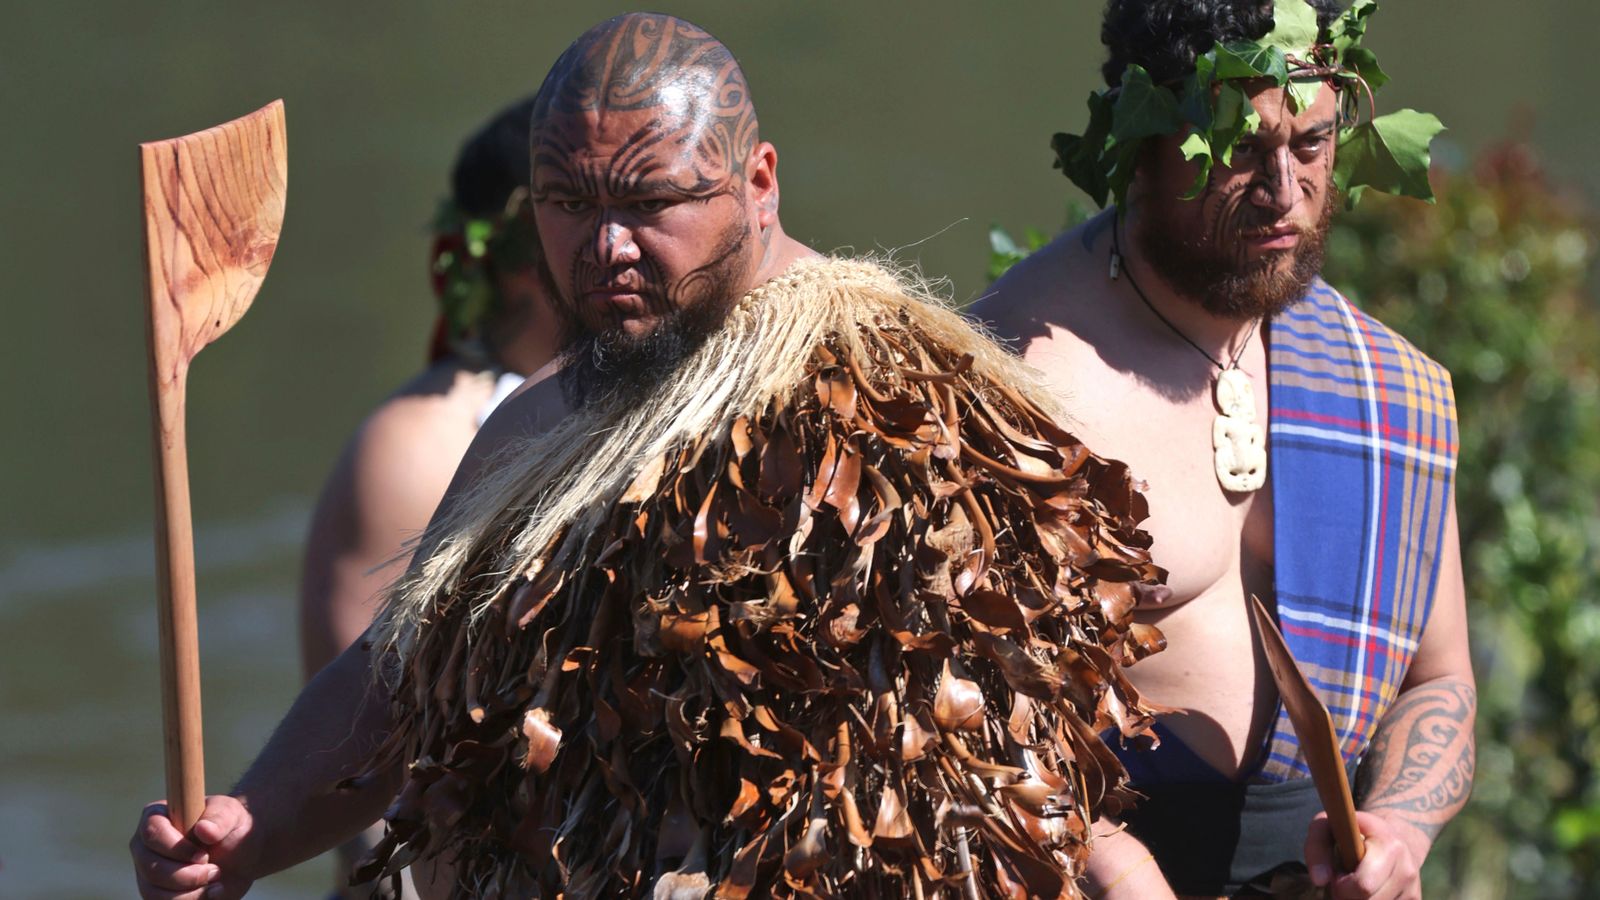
column 493, row 163
column 1166, row 36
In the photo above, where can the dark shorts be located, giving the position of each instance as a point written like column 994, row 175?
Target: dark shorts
column 1210, row 835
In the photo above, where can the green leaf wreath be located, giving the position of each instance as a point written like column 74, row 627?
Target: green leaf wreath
column 466, row 250
column 1385, row 153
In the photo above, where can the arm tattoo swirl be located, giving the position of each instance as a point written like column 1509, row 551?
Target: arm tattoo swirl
column 1419, row 768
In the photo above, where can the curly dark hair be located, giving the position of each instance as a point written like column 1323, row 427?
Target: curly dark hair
column 1165, row 36
column 493, row 162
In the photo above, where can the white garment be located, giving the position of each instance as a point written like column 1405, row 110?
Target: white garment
column 507, row 384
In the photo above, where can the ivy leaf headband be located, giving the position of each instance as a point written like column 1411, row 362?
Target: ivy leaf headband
column 1385, row 153
column 466, row 250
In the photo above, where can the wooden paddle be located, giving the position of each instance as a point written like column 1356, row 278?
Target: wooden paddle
column 1314, row 727
column 213, row 206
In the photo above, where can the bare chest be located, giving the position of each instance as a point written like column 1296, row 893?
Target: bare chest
column 1216, row 546
column 1207, row 538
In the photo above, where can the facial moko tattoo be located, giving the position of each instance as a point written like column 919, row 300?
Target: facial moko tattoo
column 1386, row 153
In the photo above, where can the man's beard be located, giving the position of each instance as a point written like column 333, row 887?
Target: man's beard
column 613, row 366
column 1213, row 269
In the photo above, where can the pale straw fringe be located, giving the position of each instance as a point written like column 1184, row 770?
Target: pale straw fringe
column 567, row 479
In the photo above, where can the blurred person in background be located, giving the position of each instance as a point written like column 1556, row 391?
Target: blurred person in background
column 495, row 328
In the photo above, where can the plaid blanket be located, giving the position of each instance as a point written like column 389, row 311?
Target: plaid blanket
column 1363, row 452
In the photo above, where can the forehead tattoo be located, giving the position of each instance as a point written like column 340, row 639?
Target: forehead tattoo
column 649, row 62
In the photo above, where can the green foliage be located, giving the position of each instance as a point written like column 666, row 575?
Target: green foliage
column 1494, row 283
column 1005, row 251
column 1351, row 27
column 1084, row 157
column 459, row 269
column 1143, row 110
column 466, row 251
column 1365, row 63
column 1294, row 27
column 1382, row 154
column 1212, row 111
column 1248, row 59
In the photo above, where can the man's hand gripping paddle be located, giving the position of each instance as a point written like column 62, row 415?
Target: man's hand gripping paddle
column 1314, row 727
column 213, row 207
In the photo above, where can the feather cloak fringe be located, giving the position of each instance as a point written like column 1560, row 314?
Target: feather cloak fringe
column 838, row 610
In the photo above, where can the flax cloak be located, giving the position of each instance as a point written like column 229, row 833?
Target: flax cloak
column 838, row 609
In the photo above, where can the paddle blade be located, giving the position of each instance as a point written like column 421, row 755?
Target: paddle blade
column 213, row 208
column 1318, row 741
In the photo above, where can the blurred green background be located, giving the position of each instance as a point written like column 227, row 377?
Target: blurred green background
column 899, row 126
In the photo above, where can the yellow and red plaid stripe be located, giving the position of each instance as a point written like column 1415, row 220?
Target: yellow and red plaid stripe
column 1363, row 454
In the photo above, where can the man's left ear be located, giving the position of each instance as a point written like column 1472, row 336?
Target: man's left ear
column 761, row 180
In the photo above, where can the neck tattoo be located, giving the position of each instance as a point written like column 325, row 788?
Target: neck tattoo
column 1238, row 443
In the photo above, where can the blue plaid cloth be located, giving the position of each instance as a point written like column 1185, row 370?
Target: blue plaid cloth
column 1363, row 452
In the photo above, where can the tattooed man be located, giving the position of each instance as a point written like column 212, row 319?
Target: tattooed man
column 787, row 585
column 657, row 206
column 1154, row 319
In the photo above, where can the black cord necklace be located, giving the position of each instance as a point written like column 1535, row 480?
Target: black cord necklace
column 1118, row 268
column 1238, row 443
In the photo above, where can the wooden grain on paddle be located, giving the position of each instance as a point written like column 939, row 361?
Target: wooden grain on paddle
column 213, row 208
column 1318, row 741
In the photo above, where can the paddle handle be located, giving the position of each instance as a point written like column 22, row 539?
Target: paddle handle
column 1323, row 758
column 1351, row 845
column 175, row 606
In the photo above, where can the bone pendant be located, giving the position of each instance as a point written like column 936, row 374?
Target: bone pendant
column 1240, row 444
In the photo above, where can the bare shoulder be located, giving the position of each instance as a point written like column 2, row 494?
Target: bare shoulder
column 533, row 409
column 386, row 484
column 1039, row 297
column 403, row 455
column 1013, row 308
